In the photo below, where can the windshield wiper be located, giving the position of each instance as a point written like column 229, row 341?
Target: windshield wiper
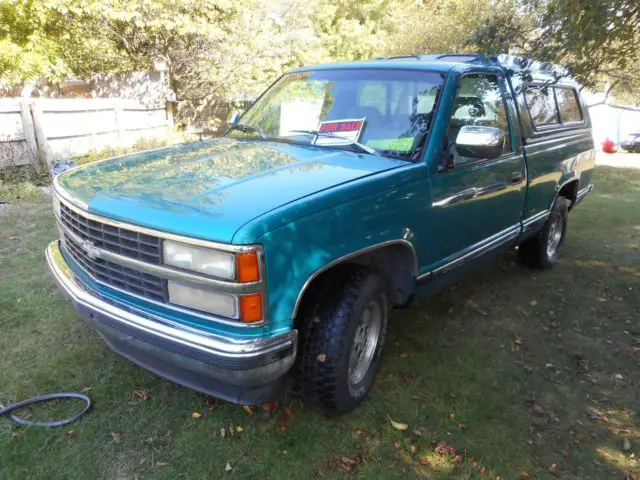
column 248, row 129
column 347, row 141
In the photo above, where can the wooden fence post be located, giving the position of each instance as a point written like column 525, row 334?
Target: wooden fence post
column 45, row 155
column 29, row 133
column 119, row 111
column 170, row 109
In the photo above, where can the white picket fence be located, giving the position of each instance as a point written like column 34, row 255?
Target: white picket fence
column 48, row 130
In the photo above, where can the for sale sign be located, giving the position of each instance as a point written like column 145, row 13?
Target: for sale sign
column 348, row 129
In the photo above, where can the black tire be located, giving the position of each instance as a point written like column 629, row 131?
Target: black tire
column 331, row 319
column 537, row 251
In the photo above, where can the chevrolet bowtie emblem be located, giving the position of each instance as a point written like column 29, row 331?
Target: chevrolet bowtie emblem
column 90, row 249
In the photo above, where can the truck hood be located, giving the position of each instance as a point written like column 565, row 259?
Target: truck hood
column 209, row 189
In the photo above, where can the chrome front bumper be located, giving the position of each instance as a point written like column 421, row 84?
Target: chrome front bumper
column 241, row 371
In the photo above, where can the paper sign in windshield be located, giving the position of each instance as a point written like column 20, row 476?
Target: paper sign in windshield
column 348, row 130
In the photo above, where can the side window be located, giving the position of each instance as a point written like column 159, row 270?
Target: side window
column 479, row 101
column 568, row 105
column 542, row 106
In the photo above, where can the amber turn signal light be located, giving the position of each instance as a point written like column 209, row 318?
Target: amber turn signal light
column 247, row 267
column 251, row 308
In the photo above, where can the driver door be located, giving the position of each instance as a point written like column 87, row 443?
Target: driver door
column 477, row 203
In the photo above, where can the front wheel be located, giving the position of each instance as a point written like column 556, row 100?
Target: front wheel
column 341, row 342
column 542, row 250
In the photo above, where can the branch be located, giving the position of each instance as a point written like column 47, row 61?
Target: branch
column 606, row 95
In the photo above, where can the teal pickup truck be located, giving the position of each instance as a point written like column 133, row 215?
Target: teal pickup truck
column 231, row 265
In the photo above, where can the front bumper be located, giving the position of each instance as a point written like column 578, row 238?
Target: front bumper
column 240, row 371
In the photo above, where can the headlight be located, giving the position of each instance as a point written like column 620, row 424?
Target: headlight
column 204, row 300
column 210, row 262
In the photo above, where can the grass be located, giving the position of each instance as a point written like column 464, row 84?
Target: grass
column 509, row 373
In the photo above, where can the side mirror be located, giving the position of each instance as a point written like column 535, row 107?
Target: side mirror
column 233, row 117
column 480, row 142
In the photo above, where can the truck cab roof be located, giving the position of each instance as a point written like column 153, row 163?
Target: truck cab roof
column 446, row 62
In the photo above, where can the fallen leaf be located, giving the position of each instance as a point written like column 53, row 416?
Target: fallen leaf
column 86, row 389
column 417, row 433
column 398, row 425
column 483, row 470
column 196, row 415
column 322, row 357
column 348, row 464
column 212, row 403
column 117, row 436
column 141, row 393
column 248, row 410
column 524, row 475
column 15, row 435
column 538, row 409
column 71, row 434
column 228, row 467
column 223, row 432
column 161, row 464
column 444, row 448
column 239, row 429
column 270, row 407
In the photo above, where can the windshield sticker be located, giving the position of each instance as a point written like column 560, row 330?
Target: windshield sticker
column 335, row 132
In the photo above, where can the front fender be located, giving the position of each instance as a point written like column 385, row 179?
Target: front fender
column 298, row 252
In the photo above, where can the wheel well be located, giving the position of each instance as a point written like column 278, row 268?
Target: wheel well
column 570, row 191
column 396, row 263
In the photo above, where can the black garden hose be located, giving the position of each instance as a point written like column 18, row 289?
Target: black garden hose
column 42, row 399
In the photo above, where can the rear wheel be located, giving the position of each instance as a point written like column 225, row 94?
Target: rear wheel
column 543, row 250
column 341, row 341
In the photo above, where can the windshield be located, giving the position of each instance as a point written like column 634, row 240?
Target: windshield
column 389, row 111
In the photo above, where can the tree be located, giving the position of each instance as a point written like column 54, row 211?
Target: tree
column 597, row 40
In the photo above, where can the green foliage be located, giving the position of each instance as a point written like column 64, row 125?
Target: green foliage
column 20, row 184
column 221, row 49
column 596, row 40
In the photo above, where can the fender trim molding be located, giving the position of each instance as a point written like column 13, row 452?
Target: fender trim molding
column 357, row 253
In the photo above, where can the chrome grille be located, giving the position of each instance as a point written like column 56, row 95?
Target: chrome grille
column 129, row 243
column 114, row 275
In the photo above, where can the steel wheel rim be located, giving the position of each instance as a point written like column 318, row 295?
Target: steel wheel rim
column 365, row 342
column 554, row 238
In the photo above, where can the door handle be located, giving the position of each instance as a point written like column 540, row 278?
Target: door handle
column 516, row 177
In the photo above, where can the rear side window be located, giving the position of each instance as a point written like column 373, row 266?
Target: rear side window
column 542, row 106
column 568, row 105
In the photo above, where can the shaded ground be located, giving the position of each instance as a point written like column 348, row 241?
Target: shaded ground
column 511, row 372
